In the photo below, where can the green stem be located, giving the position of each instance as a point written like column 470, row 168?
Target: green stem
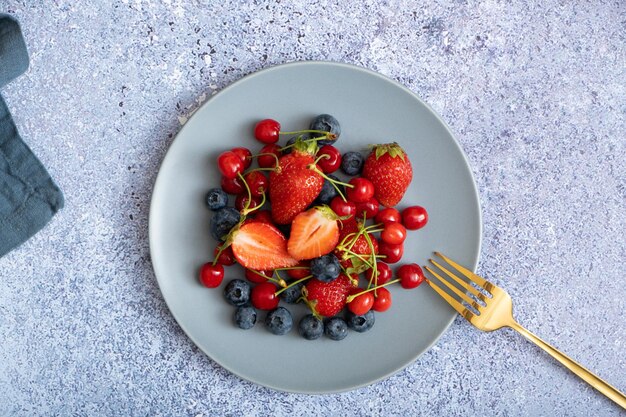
column 353, row 296
column 277, row 293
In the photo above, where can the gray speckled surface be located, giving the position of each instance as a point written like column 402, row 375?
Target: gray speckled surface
column 535, row 94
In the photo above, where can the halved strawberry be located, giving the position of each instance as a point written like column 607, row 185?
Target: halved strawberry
column 314, row 233
column 260, row 246
column 327, row 298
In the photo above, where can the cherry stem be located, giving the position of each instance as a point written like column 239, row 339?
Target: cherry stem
column 353, row 296
column 280, row 281
column 264, row 154
column 326, row 134
column 248, row 210
column 373, row 260
column 322, row 156
column 356, row 255
column 277, row 293
column 332, row 181
column 219, row 252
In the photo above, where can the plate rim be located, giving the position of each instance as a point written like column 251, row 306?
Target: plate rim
column 158, row 180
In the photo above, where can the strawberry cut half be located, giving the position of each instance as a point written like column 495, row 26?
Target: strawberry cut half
column 314, row 233
column 261, row 246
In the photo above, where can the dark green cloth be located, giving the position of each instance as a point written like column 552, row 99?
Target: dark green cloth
column 28, row 196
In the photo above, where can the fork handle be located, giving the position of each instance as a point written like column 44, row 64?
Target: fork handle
column 584, row 374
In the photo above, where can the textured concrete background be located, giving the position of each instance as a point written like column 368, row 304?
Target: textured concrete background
column 535, row 94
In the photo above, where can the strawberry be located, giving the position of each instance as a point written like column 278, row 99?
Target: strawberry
column 314, row 233
column 260, row 246
column 294, row 184
column 327, row 298
column 389, row 169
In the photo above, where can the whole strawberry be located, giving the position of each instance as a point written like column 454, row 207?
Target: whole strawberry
column 348, row 230
column 294, row 184
column 389, row 169
column 327, row 298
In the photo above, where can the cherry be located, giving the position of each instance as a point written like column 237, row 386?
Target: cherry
column 393, row 253
column 230, row 164
column 384, row 274
column 258, row 277
column 267, row 131
column 299, row 273
column 332, row 162
column 244, row 154
column 362, row 190
column 263, row 216
column 211, row 276
column 226, row 258
column 414, row 217
column 342, row 208
column 388, row 215
column 382, row 301
column 268, row 161
column 361, row 304
column 393, row 233
column 257, row 183
column 410, row 275
column 242, row 200
column 264, row 296
column 370, row 207
column 233, row 185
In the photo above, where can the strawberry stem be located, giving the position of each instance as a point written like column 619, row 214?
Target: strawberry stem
column 353, row 296
column 291, row 284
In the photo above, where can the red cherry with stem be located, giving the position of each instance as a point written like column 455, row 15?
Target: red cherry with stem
column 414, row 217
column 388, row 215
column 233, row 185
column 393, row 233
column 393, row 253
column 211, row 276
column 410, row 275
column 370, row 208
column 361, row 304
column 362, row 190
column 257, row 182
column 384, row 274
column 264, row 296
column 244, row 154
column 230, row 164
column 267, row 131
column 301, row 272
column 242, row 200
column 342, row 208
column 382, row 300
column 258, row 277
column 263, row 216
column 331, row 162
column 226, row 258
column 269, row 161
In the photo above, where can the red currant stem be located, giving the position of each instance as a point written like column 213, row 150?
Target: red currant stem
column 277, row 293
column 353, row 296
column 248, row 210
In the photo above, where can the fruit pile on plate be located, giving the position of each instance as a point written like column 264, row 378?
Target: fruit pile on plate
column 304, row 235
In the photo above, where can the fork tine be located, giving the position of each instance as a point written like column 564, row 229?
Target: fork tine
column 452, row 288
column 453, row 303
column 462, row 283
column 469, row 274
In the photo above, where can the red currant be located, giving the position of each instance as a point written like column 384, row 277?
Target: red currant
column 233, row 185
column 264, row 296
column 361, row 304
column 244, row 154
column 342, row 208
column 300, row 273
column 263, row 216
column 269, row 161
column 388, row 215
column 393, row 253
column 362, row 190
column 382, row 300
column 370, row 207
column 267, row 131
column 242, row 200
column 384, row 274
column 211, row 276
column 230, row 164
column 410, row 275
column 227, row 257
column 258, row 277
column 332, row 162
column 414, row 217
column 393, row 233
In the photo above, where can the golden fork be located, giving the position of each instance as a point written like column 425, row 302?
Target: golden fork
column 495, row 311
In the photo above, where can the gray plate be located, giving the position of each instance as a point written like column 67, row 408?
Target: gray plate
column 371, row 109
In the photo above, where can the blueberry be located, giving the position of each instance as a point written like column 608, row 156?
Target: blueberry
column 352, row 163
column 328, row 191
column 311, row 327
column 361, row 323
column 292, row 294
column 222, row 221
column 216, row 199
column 326, row 123
column 237, row 292
column 279, row 321
column 326, row 268
column 336, row 328
column 245, row 317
